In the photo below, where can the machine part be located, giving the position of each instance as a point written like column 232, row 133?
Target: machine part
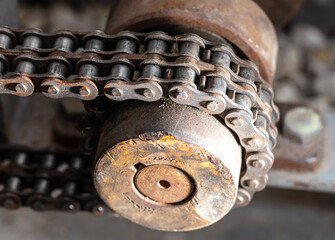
column 303, row 125
column 241, row 22
column 153, row 67
column 213, row 20
column 161, row 165
column 291, row 155
column 47, row 181
column 321, row 177
column 120, row 74
column 280, row 11
column 301, row 138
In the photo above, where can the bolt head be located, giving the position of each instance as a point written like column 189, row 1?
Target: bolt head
column 38, row 205
column 53, row 90
column 20, row 88
column 238, row 122
column 303, row 125
column 116, row 92
column 240, row 199
column 148, row 93
column 98, row 210
column 212, row 105
column 181, row 95
column 10, row 203
column 84, row 91
column 255, row 142
column 259, row 163
column 68, row 207
column 252, row 183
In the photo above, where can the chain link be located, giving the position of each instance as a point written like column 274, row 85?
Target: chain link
column 149, row 66
column 48, row 181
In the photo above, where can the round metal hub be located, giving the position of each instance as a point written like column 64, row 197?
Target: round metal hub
column 164, row 183
column 153, row 198
column 167, row 166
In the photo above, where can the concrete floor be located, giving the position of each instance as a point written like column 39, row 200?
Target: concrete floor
column 273, row 214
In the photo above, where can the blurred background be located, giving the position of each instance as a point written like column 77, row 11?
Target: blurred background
column 305, row 73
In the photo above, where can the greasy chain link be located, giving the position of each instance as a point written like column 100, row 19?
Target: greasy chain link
column 149, row 67
column 48, row 181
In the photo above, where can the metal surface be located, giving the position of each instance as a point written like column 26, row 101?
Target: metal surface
column 280, row 11
column 241, row 22
column 301, row 138
column 164, row 183
column 258, row 214
column 46, row 181
column 186, row 70
column 151, row 153
column 119, row 72
column 321, row 178
column 194, row 72
column 290, row 155
column 303, row 125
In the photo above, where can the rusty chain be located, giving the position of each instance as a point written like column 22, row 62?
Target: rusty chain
column 48, row 181
column 149, row 67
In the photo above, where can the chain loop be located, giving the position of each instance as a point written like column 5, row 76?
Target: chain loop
column 148, row 67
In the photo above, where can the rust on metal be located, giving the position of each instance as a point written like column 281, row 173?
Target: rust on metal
column 291, row 154
column 242, row 22
column 81, row 88
column 167, row 171
column 19, row 85
column 164, row 183
column 280, row 11
column 165, row 159
column 137, row 197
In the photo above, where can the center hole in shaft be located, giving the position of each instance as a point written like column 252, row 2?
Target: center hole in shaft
column 164, row 184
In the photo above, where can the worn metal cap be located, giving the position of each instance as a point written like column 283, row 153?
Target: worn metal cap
column 303, row 124
column 167, row 167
